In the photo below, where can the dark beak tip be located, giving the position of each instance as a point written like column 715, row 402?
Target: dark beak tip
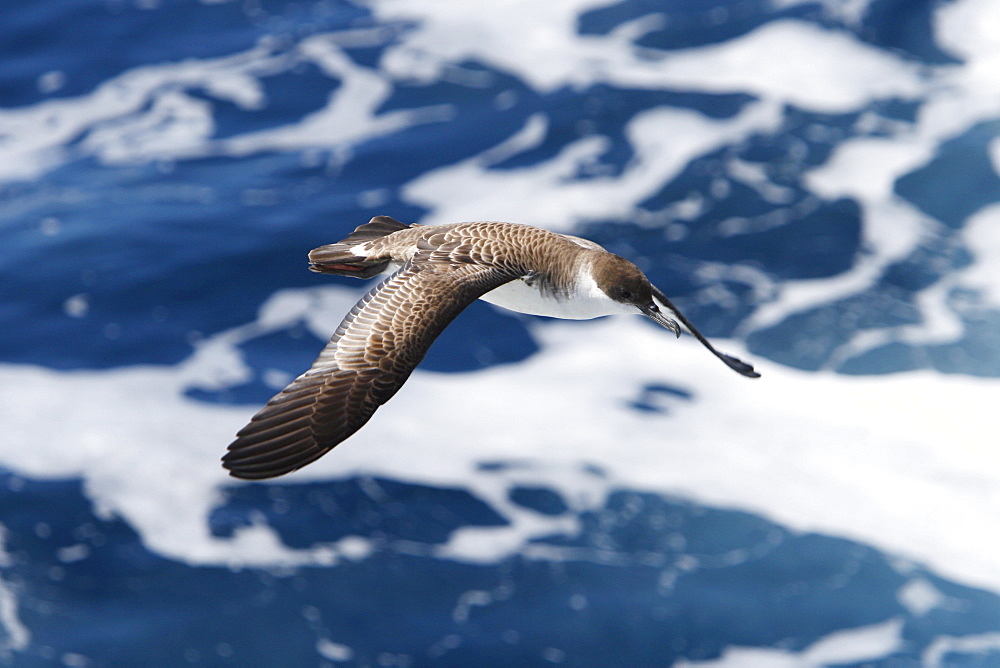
column 654, row 314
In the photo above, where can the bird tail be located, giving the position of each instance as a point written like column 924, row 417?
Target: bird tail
column 340, row 259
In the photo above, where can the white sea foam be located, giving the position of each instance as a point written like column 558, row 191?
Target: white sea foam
column 334, row 651
column 850, row 11
column 151, row 113
column 129, row 117
column 807, row 66
column 784, row 62
column 665, row 140
column 920, row 597
column 789, row 61
column 349, row 115
column 857, row 645
column 15, row 636
column 537, row 41
column 982, row 237
column 906, row 462
column 970, row 29
column 984, row 643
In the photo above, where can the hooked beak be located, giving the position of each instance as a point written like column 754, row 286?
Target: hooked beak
column 654, row 313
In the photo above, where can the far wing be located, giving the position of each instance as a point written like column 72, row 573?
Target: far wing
column 734, row 363
column 368, row 359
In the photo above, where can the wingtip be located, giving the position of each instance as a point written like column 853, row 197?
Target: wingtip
column 258, row 455
column 244, row 466
column 230, row 463
column 740, row 367
column 242, row 472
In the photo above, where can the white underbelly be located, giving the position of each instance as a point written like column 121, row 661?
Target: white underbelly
column 523, row 298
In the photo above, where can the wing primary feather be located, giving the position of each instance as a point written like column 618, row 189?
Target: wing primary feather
column 289, row 458
column 271, row 443
column 372, row 353
column 287, row 407
column 271, row 415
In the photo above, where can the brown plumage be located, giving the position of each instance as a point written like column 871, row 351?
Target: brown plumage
column 442, row 269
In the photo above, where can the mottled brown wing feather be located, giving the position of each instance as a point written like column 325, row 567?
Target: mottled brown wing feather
column 370, row 356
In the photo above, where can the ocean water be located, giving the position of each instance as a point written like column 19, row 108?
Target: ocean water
column 816, row 184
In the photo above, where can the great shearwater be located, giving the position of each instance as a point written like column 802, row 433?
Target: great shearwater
column 438, row 270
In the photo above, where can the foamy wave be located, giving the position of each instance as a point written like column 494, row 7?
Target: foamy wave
column 906, row 462
column 857, row 645
column 858, row 457
column 665, row 141
column 156, row 112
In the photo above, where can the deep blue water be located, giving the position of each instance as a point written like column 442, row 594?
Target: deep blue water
column 122, row 605
column 169, row 249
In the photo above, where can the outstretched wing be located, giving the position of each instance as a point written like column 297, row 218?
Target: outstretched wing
column 368, row 359
column 734, row 363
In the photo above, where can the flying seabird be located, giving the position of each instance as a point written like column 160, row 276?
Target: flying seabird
column 438, row 270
